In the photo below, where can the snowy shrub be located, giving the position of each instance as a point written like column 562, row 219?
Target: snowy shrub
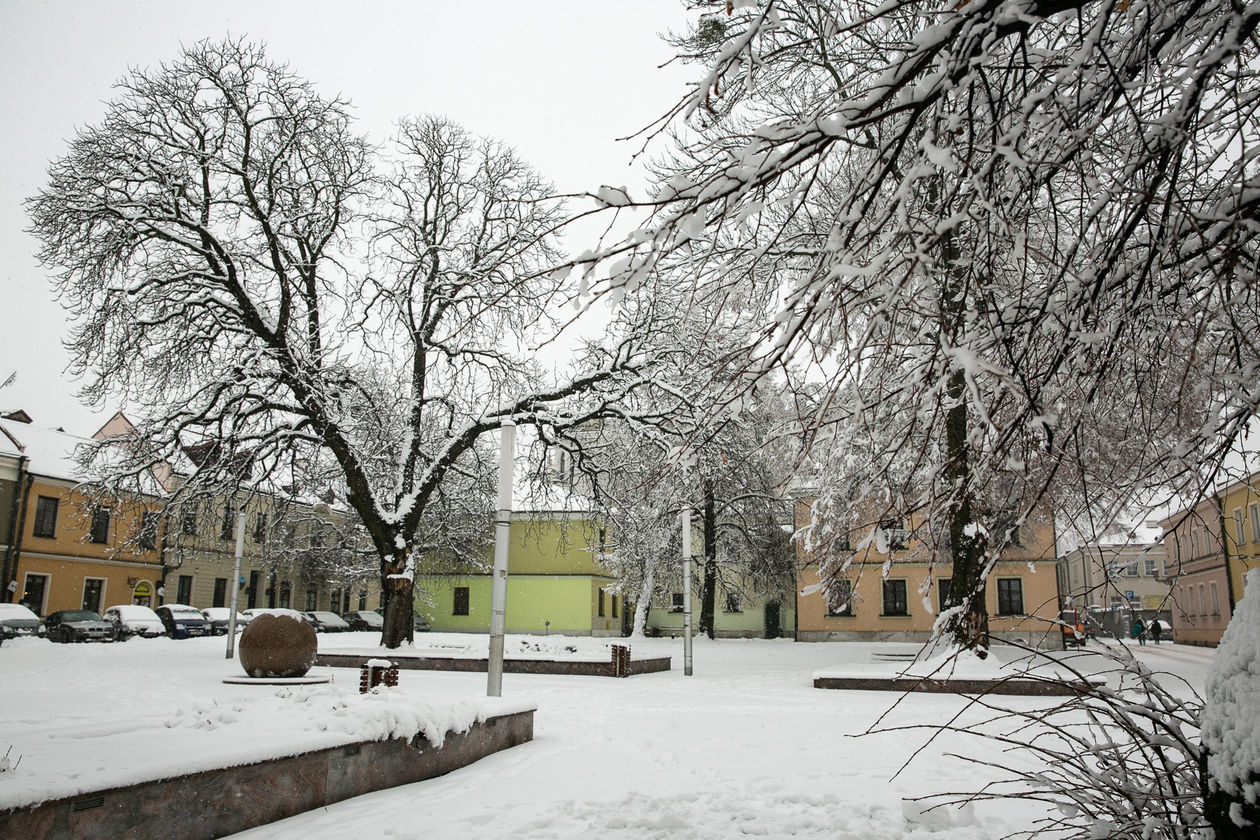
column 1118, row 762
column 1231, row 735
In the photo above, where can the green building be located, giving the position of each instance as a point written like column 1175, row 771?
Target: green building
column 555, row 583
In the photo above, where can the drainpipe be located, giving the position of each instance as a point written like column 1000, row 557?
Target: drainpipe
column 1229, row 575
column 16, row 527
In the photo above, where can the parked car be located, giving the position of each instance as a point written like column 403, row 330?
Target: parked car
column 221, row 617
column 76, row 626
column 134, row 620
column 253, row 613
column 182, row 621
column 327, row 622
column 17, row 620
column 364, row 620
column 418, row 622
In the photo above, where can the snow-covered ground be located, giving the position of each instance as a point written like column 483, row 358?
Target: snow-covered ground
column 745, row 746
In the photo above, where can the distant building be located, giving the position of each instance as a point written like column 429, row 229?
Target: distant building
column 866, row 604
column 555, row 582
column 68, row 546
column 1116, row 584
column 1209, row 549
column 72, row 547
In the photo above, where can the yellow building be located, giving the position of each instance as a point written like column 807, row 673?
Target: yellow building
column 867, row 603
column 74, row 548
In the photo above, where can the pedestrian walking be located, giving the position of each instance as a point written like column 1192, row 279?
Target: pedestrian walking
column 1156, row 630
column 1138, row 631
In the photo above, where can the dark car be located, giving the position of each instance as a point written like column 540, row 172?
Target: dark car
column 418, row 622
column 221, row 617
column 327, row 622
column 17, row 620
column 182, row 621
column 76, row 626
column 363, row 620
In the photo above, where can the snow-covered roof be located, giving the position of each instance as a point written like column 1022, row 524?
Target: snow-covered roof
column 50, row 451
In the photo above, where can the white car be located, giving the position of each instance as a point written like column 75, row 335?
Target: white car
column 17, row 620
column 134, row 620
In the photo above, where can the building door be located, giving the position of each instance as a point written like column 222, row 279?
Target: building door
column 773, row 629
column 252, row 600
column 93, row 590
column 34, row 591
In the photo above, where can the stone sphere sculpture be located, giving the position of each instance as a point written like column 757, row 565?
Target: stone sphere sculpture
column 277, row 645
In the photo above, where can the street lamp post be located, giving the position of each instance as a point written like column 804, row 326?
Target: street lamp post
column 502, row 539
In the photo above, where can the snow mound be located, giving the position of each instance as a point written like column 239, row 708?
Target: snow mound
column 1232, row 709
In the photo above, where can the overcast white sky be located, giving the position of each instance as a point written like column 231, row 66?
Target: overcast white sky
column 558, row 79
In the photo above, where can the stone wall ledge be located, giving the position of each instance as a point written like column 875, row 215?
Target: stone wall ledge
column 510, row 665
column 215, row 803
column 1026, row 687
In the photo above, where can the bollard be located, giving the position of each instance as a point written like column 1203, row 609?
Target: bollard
column 377, row 672
column 621, row 660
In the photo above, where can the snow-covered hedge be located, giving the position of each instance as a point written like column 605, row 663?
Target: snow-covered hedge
column 1231, row 722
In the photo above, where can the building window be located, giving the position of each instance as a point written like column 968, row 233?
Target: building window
column 148, row 530
column 228, row 529
column 1253, row 511
column 844, row 542
column 898, row 537
column 260, row 527
column 1151, row 569
column 312, row 598
column 251, row 597
column 943, row 587
column 1130, row 569
column 46, row 516
column 93, row 592
column 1239, row 534
column 362, row 599
column 1216, row 598
column 615, row 614
column 676, row 602
column 839, row 597
column 220, row 593
column 461, row 601
column 286, row 595
column 601, row 602
column 100, row 524
column 334, row 602
column 1010, row 594
column 895, row 602
column 188, row 519
column 732, row 602
column 184, row 590
column 1203, row 603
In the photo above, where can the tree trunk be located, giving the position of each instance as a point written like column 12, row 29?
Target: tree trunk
column 398, row 590
column 641, row 607
column 708, row 589
column 970, row 627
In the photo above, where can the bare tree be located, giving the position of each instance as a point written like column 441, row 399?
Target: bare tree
column 243, row 269
column 1013, row 242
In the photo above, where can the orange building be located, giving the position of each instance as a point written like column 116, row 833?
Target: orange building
column 867, row 603
column 73, row 548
